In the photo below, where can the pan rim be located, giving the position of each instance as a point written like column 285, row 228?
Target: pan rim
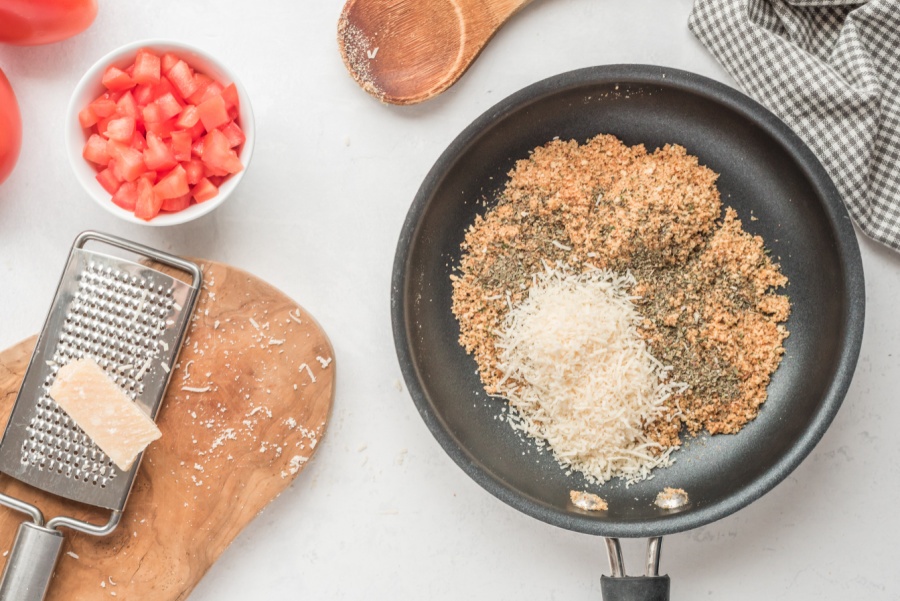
column 834, row 210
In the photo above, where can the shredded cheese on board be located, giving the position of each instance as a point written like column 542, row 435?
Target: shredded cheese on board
column 579, row 376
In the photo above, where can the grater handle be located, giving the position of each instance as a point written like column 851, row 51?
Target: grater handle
column 30, row 564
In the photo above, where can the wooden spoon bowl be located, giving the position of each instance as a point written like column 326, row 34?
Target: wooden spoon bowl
column 407, row 51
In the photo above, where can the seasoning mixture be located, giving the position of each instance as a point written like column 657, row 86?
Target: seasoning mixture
column 703, row 286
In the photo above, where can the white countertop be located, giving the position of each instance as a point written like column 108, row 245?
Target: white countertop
column 381, row 511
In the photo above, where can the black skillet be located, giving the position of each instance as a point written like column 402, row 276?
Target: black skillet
column 766, row 172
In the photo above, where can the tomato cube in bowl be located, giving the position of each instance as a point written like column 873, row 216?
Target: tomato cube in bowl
column 136, row 118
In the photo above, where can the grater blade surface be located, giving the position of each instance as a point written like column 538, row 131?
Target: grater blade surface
column 131, row 319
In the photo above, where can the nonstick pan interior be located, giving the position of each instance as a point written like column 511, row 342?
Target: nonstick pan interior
column 766, row 171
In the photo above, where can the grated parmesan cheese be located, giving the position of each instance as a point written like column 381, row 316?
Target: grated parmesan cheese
column 580, row 377
column 308, row 371
column 195, row 389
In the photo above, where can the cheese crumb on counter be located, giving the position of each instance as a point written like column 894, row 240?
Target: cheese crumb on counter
column 98, row 406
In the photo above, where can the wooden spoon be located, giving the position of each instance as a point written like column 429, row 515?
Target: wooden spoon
column 407, row 51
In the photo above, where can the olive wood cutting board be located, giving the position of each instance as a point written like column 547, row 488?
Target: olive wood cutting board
column 247, row 403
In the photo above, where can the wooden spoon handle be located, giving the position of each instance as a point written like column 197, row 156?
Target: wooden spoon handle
column 498, row 11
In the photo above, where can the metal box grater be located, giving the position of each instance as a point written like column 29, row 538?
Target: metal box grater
column 131, row 319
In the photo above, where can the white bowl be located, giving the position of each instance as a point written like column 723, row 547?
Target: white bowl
column 90, row 87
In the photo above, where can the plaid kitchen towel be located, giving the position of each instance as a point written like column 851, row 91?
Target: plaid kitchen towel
column 830, row 69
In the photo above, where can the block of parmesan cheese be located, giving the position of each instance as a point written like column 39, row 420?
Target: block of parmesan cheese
column 113, row 421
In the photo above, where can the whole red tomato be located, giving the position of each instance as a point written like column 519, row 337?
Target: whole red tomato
column 33, row 22
column 10, row 128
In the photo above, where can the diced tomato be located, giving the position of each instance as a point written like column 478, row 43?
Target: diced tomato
column 167, row 62
column 95, row 151
column 152, row 113
column 116, row 79
column 146, row 67
column 157, row 156
column 121, row 129
column 143, row 94
column 189, row 117
column 197, row 147
column 218, row 155
column 129, row 163
column 198, row 131
column 103, row 123
column 230, row 96
column 138, row 142
column 213, row 113
column 182, row 77
column 169, row 106
column 127, row 106
column 126, row 196
column 181, row 145
column 234, row 133
column 204, row 190
column 165, row 87
column 172, row 185
column 176, row 204
column 109, row 180
column 201, row 82
column 130, row 166
column 212, row 90
column 163, row 129
column 87, row 117
column 115, row 149
column 194, row 170
column 162, row 109
column 103, row 106
column 148, row 203
column 213, row 171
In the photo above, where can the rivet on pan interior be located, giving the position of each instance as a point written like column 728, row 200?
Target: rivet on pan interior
column 671, row 498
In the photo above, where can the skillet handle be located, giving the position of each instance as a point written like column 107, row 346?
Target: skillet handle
column 619, row 587
column 635, row 588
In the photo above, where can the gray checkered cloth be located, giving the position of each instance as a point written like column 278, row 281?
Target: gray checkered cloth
column 830, row 69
